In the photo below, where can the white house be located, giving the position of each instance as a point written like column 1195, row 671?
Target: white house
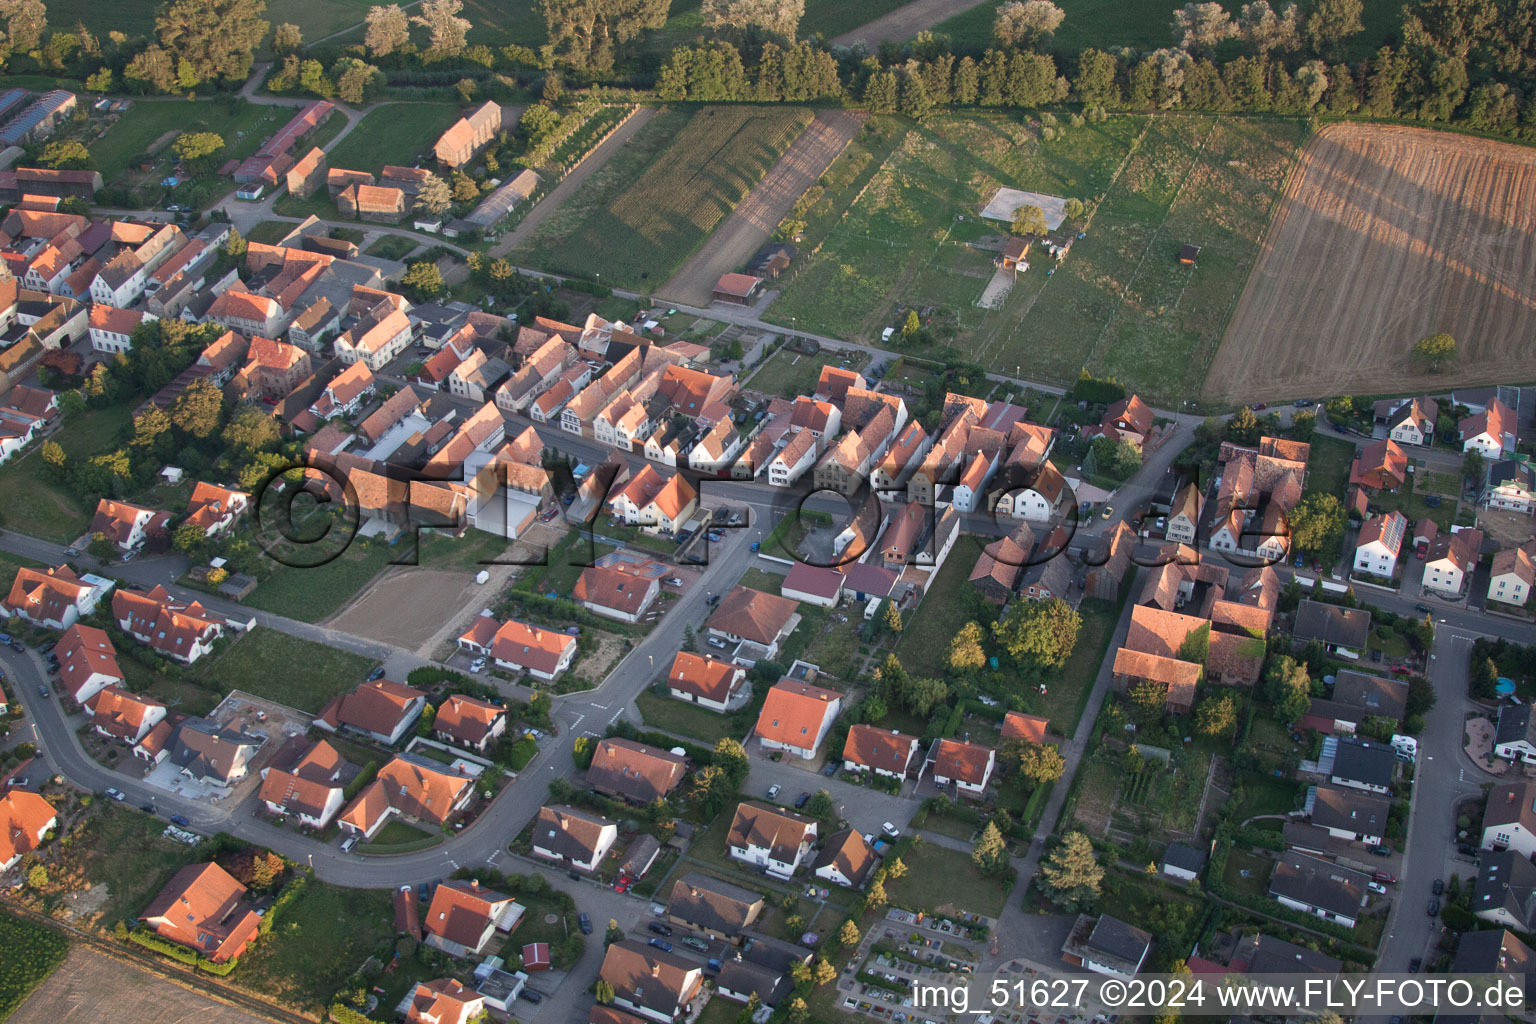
column 968, row 491
column 1515, row 737
column 30, row 818
column 1379, row 544
column 1509, row 822
column 111, row 329
column 1492, row 432
column 774, row 840
column 705, row 681
column 1513, row 575
column 791, row 462
column 573, row 837
column 796, row 717
column 1320, row 888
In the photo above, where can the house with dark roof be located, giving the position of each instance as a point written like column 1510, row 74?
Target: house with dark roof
column 636, row 772
column 1360, row 764
column 1493, row 952
column 1319, row 887
column 1265, row 954
column 1515, row 737
column 846, row 858
column 1357, row 696
column 1340, row 630
column 213, row 754
column 651, row 983
column 573, row 837
column 763, row 968
column 1505, row 891
column 770, row 838
column 1182, row 861
column 1348, row 814
column 1107, row 945
column 718, row 909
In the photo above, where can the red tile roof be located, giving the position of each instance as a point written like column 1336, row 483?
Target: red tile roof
column 1019, row 726
column 201, row 907
column 793, row 713
column 702, row 676
column 884, row 749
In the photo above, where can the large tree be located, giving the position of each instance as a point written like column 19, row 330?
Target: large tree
column 1037, row 762
column 1266, row 29
column 211, row 39
column 1200, row 26
column 1288, row 687
column 777, row 18
column 965, row 650
column 1435, row 351
column 434, row 196
column 1041, row 631
column 447, row 30
column 1026, row 22
column 990, row 852
column 389, row 29
column 1333, row 21
column 1318, row 523
column 584, row 33
column 1029, row 220
column 1216, row 716
column 1071, row 874
column 25, row 21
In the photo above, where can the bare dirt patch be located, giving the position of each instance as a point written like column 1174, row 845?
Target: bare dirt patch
column 78, row 992
column 905, row 22
column 755, row 217
column 593, row 667
column 1385, row 235
column 406, row 607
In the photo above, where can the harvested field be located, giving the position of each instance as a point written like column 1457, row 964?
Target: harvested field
column 1387, row 234
column 406, row 607
column 755, row 218
column 904, row 22
column 77, row 993
column 639, row 218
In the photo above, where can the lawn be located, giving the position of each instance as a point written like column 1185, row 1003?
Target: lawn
column 1411, row 504
column 269, row 232
column 317, row 18
column 394, row 133
column 937, row 877
column 788, row 373
column 9, row 563
column 1120, row 304
column 311, row 593
column 391, row 247
column 127, row 141
column 398, row 833
column 1265, row 794
column 1257, row 867
column 834, row 17
column 1328, row 465
column 762, row 579
column 28, row 954
column 122, row 850
column 950, row 603
column 705, row 726
column 288, row 669
column 637, row 236
column 319, row 940
column 130, row 17
column 31, row 503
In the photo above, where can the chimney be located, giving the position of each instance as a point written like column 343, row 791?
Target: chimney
column 655, row 970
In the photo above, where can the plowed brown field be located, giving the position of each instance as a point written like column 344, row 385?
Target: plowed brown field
column 1385, row 235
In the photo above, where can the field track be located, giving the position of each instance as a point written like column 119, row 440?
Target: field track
column 1387, row 234
column 905, row 22
column 755, row 217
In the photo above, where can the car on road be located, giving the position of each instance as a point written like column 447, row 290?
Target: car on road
column 773, row 791
column 116, row 794
column 697, row 944
column 349, row 842
column 661, row 944
column 376, row 674
column 1438, row 887
column 1422, row 608
column 890, row 830
column 1434, row 907
column 802, row 800
column 180, row 820
column 1108, row 511
column 72, row 552
column 42, row 691
column 1415, row 964
column 584, row 922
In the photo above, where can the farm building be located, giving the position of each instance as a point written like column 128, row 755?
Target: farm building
column 738, row 289
column 1189, row 255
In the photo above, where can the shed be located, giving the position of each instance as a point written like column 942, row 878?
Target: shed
column 739, row 289
column 536, row 956
column 1190, row 254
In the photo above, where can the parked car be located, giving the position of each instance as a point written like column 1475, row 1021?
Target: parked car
column 180, row 820
column 42, row 691
column 890, row 830
column 674, row 581
column 661, row 944
column 1432, row 500
column 696, row 943
column 1376, row 656
column 830, row 769
column 349, row 842
column 1260, row 406
column 1467, row 850
column 1302, row 403
column 1385, row 877
column 478, row 665
column 1438, row 887
column 147, row 808
column 1415, row 964
column 584, row 922
column 715, row 641
column 757, row 546
column 533, row 996
column 773, row 791
column 376, row 674
column 18, row 647
column 1376, row 887
column 5, row 638
column 802, row 800
column 1382, row 851
column 1108, row 511
column 116, row 794
column 1434, row 907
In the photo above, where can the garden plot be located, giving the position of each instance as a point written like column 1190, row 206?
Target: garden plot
column 1006, row 202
